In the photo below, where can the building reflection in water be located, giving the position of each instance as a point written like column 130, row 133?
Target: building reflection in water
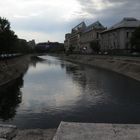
column 78, row 74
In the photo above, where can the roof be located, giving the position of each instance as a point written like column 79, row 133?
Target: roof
column 95, row 25
column 125, row 23
column 80, row 26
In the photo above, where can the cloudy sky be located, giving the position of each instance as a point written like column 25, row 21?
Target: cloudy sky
column 45, row 20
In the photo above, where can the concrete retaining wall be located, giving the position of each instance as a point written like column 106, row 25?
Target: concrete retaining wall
column 128, row 66
column 12, row 68
column 97, row 131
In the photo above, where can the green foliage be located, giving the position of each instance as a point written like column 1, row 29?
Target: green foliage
column 4, row 25
column 59, row 48
column 8, row 38
column 70, row 50
column 95, row 46
column 135, row 40
column 9, row 42
column 22, row 46
column 50, row 47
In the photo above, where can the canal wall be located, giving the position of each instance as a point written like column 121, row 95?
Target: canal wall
column 128, row 66
column 74, row 131
column 11, row 132
column 11, row 69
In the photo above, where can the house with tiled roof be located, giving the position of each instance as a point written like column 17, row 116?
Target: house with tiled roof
column 118, row 36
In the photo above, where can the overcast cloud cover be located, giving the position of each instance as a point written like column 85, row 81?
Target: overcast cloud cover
column 45, row 20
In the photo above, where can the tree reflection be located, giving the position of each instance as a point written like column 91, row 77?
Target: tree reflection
column 77, row 73
column 35, row 60
column 10, row 97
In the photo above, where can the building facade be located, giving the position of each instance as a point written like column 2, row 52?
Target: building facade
column 72, row 40
column 118, row 36
column 31, row 44
column 90, row 37
column 82, row 36
column 67, row 41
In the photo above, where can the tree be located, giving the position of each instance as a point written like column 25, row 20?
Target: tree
column 8, row 39
column 22, row 46
column 9, row 42
column 95, row 46
column 4, row 24
column 135, row 40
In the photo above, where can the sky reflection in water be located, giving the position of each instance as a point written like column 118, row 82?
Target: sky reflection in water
column 48, row 87
column 54, row 90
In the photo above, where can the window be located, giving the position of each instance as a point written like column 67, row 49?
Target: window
column 97, row 35
column 127, row 34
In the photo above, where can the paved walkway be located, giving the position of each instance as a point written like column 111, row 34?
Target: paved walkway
column 7, row 132
column 93, row 131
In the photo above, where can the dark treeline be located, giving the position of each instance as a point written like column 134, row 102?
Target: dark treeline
column 50, row 47
column 59, row 48
column 135, row 40
column 9, row 41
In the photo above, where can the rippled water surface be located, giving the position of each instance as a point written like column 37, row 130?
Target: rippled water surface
column 53, row 90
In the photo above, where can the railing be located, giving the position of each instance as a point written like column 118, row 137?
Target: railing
column 6, row 56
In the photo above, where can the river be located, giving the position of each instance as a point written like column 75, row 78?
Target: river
column 54, row 90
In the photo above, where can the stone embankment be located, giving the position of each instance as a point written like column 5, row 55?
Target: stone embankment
column 11, row 69
column 10, row 132
column 74, row 131
column 97, row 131
column 128, row 66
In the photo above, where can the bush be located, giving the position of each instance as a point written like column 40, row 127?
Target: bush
column 135, row 40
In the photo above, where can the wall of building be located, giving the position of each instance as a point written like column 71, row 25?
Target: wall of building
column 81, row 37
column 116, row 39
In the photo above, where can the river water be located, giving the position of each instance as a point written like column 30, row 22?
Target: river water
column 54, row 90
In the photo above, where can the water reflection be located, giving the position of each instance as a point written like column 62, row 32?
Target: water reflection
column 35, row 60
column 10, row 97
column 108, row 97
column 77, row 73
column 56, row 90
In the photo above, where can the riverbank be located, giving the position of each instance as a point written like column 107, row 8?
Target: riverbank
column 11, row 132
column 13, row 68
column 74, row 131
column 35, row 134
column 97, row 131
column 128, row 66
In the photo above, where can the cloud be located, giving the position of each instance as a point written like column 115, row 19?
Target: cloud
column 110, row 11
column 41, row 19
column 50, row 17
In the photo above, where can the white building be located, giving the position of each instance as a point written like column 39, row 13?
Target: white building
column 118, row 36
